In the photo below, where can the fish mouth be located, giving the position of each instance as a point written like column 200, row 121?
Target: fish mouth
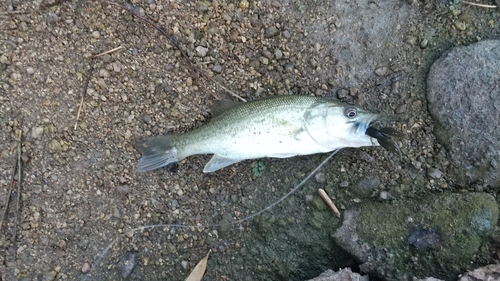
column 384, row 137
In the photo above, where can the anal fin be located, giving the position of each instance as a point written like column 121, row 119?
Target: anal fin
column 218, row 162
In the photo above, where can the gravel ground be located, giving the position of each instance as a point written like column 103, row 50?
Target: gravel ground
column 79, row 188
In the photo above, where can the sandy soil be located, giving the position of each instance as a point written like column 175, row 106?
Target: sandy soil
column 79, row 189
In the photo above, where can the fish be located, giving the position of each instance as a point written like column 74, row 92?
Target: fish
column 277, row 126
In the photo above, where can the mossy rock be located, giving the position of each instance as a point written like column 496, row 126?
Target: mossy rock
column 433, row 236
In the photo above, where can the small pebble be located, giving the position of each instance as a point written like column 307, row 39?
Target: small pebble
column 460, row 25
column 271, row 31
column 381, row 71
column 412, row 40
column 244, row 4
column 142, row 12
column 342, row 93
column 455, row 12
column 51, row 18
column 267, row 54
column 55, row 145
column 435, row 173
column 217, row 68
column 146, row 118
column 175, row 203
column 184, row 264
column 226, row 17
column 401, row 109
column 96, row 34
column 86, row 267
column 127, row 264
column 117, row 67
column 384, row 195
column 202, row 51
column 123, row 189
column 278, row 54
column 30, row 70
column 36, row 132
column 201, row 7
column 353, row 91
column 320, row 177
column 103, row 73
column 276, row 4
column 424, row 43
column 16, row 76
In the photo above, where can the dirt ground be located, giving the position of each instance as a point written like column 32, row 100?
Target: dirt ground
column 79, row 188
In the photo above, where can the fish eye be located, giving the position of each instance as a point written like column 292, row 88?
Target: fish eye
column 350, row 112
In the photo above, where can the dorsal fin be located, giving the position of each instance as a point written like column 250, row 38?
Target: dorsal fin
column 221, row 106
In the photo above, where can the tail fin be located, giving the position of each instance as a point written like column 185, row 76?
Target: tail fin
column 156, row 153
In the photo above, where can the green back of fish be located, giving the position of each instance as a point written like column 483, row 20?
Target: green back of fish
column 269, row 112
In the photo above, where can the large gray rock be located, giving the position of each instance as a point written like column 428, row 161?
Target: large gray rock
column 436, row 236
column 464, row 98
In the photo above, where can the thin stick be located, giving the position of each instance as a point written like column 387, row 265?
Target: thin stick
column 84, row 92
column 108, row 52
column 13, row 13
column 329, row 202
column 7, row 200
column 14, row 233
column 57, row 2
column 479, row 5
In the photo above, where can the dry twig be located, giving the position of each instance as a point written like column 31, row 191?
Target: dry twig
column 84, row 92
column 329, row 202
column 17, row 167
column 56, row 3
column 479, row 5
column 13, row 13
column 16, row 218
column 108, row 52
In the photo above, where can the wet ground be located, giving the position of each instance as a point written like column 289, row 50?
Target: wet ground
column 80, row 191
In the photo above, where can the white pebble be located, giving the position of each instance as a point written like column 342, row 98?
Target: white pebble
column 202, row 51
column 36, row 132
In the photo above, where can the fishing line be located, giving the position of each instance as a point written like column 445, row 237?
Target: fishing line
column 247, row 218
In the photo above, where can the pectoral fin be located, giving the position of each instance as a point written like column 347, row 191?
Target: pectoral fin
column 218, row 162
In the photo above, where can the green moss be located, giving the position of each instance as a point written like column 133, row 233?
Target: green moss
column 461, row 221
column 317, row 220
column 318, row 203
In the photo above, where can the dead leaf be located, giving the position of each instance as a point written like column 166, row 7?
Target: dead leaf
column 199, row 270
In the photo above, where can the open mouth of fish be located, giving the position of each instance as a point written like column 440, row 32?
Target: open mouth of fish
column 384, row 137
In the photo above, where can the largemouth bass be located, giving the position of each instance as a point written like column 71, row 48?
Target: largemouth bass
column 280, row 126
